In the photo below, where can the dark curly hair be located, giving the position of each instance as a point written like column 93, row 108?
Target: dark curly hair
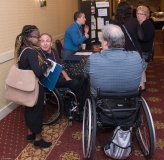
column 22, row 39
column 123, row 12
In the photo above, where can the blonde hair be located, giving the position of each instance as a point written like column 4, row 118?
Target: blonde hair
column 145, row 10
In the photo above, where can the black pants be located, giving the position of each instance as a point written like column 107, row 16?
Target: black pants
column 78, row 85
column 34, row 115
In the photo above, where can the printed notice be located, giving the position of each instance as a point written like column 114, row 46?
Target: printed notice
column 99, row 36
column 102, row 12
column 100, row 23
column 93, row 22
column 102, row 4
column 93, row 34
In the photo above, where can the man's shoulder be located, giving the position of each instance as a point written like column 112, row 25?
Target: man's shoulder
column 94, row 55
column 71, row 26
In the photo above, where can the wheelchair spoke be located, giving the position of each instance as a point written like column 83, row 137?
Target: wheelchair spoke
column 53, row 108
column 145, row 132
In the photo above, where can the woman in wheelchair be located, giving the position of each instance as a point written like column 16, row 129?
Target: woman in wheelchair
column 77, row 84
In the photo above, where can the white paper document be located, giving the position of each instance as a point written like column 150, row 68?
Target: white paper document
column 102, row 12
column 83, row 53
column 100, row 23
column 93, row 34
column 102, row 4
column 46, row 74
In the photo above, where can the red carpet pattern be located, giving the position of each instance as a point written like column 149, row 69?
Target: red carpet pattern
column 67, row 140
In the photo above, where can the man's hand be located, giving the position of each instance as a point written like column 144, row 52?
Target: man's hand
column 67, row 78
column 86, row 35
column 86, row 29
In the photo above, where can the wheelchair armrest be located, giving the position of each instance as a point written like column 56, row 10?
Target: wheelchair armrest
column 62, row 89
column 104, row 95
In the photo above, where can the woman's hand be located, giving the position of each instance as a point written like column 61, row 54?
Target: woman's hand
column 49, row 64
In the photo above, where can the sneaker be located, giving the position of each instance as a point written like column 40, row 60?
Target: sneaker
column 143, row 91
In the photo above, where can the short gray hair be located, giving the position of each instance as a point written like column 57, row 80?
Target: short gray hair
column 145, row 10
column 114, row 36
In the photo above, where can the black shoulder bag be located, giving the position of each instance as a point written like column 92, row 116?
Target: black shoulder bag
column 147, row 56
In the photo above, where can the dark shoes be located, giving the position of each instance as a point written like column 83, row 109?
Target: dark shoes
column 42, row 144
column 79, row 117
column 38, row 144
column 30, row 137
column 143, row 91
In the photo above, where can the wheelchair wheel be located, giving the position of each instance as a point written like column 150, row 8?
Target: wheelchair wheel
column 53, row 108
column 89, row 129
column 145, row 132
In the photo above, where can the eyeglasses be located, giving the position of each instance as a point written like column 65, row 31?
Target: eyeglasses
column 35, row 37
column 140, row 14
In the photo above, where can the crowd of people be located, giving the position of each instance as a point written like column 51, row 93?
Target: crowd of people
column 120, row 62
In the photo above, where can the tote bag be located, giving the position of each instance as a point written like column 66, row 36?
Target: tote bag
column 22, row 86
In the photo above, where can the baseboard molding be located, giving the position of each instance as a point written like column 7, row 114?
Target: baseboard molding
column 7, row 109
column 6, row 56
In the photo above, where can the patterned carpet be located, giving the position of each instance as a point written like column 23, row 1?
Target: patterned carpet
column 67, row 140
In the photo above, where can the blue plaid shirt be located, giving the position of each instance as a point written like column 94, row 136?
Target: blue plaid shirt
column 114, row 70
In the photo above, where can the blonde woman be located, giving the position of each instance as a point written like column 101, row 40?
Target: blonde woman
column 147, row 42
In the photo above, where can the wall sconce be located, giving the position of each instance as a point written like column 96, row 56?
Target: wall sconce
column 42, row 3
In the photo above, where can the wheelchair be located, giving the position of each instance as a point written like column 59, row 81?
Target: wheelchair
column 54, row 105
column 124, row 107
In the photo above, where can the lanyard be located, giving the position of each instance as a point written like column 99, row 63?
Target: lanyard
column 80, row 32
column 52, row 54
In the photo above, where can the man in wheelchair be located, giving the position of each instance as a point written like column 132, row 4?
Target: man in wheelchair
column 116, row 100
column 77, row 84
column 114, row 69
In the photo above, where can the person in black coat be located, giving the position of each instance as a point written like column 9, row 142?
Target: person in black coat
column 147, row 42
column 123, row 16
column 32, row 60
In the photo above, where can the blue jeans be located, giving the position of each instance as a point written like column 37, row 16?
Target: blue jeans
column 66, row 53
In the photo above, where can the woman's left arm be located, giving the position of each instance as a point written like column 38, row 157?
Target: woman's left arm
column 148, row 30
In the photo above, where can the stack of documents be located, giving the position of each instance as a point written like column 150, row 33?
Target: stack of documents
column 83, row 53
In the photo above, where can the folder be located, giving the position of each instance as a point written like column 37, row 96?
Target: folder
column 51, row 76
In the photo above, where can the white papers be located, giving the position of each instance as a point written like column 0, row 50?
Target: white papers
column 99, row 36
column 50, row 69
column 93, row 22
column 83, row 53
column 100, row 23
column 93, row 34
column 102, row 4
column 102, row 12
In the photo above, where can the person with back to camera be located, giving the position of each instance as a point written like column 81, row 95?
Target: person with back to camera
column 121, row 70
column 32, row 60
column 123, row 16
column 73, row 36
column 147, row 42
column 78, row 84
